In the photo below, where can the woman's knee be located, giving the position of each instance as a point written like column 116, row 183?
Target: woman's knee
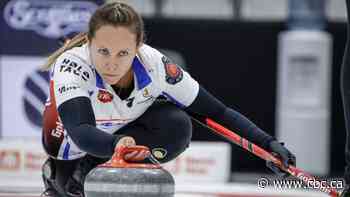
column 167, row 116
column 175, row 123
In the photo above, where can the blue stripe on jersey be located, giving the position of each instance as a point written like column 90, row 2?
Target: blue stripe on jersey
column 99, row 81
column 66, row 151
column 173, row 100
column 142, row 77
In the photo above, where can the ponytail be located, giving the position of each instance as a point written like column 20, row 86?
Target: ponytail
column 76, row 41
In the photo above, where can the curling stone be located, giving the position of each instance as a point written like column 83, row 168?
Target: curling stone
column 118, row 178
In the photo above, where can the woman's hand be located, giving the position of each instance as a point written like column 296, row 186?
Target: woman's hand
column 281, row 152
column 135, row 155
column 126, row 141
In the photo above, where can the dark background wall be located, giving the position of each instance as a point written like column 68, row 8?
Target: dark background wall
column 237, row 62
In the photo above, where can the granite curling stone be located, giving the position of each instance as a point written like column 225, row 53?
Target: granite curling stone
column 118, row 178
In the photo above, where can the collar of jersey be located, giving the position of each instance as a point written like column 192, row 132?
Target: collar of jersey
column 142, row 77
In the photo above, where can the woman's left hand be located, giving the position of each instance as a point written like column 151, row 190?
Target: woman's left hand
column 280, row 151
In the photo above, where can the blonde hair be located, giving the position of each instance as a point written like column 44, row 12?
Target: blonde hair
column 114, row 14
column 76, row 41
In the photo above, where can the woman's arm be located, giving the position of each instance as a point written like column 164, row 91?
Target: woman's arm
column 78, row 119
column 179, row 87
column 207, row 105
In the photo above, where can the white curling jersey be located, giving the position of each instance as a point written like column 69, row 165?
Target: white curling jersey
column 74, row 75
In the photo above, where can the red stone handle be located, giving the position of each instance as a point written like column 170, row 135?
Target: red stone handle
column 118, row 161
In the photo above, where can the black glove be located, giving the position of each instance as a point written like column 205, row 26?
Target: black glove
column 281, row 152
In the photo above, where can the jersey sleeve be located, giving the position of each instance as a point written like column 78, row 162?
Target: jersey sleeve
column 176, row 84
column 179, row 86
column 71, row 78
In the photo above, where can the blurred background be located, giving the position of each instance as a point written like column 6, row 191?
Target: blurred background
column 275, row 61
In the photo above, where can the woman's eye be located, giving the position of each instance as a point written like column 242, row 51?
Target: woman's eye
column 103, row 51
column 123, row 53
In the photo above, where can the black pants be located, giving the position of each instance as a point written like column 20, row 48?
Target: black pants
column 164, row 128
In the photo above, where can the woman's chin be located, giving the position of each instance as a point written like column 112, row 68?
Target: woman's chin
column 111, row 81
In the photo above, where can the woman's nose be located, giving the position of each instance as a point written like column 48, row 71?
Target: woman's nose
column 111, row 66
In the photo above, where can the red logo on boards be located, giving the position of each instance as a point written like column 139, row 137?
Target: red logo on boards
column 34, row 160
column 9, row 160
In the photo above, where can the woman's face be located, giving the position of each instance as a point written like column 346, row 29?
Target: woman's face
column 112, row 52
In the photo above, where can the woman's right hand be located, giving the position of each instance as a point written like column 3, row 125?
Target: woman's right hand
column 136, row 155
column 126, row 141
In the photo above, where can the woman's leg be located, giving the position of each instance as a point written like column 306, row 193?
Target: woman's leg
column 55, row 174
column 74, row 186
column 164, row 128
column 65, row 178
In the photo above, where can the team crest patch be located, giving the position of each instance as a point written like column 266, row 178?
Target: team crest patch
column 159, row 153
column 173, row 72
column 104, row 96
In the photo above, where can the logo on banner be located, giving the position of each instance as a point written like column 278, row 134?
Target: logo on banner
column 36, row 89
column 52, row 19
column 34, row 160
column 9, row 160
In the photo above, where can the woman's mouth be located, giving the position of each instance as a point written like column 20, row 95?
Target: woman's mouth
column 111, row 79
column 110, row 75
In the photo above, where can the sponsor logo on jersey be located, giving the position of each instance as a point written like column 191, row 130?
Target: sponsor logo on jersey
column 67, row 88
column 159, row 153
column 72, row 67
column 146, row 94
column 105, row 125
column 52, row 19
column 173, row 73
column 109, row 125
column 58, row 131
column 104, row 96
